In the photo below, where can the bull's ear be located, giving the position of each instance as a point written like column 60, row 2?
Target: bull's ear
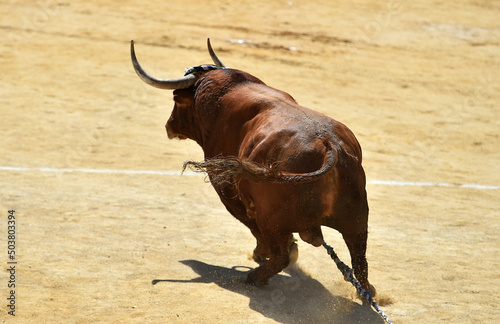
column 183, row 97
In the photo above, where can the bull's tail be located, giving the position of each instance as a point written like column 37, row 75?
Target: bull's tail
column 231, row 169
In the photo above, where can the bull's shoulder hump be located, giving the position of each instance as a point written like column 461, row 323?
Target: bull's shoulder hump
column 261, row 93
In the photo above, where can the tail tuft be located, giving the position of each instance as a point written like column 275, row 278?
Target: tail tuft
column 227, row 169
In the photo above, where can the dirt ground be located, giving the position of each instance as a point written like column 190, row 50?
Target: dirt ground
column 418, row 84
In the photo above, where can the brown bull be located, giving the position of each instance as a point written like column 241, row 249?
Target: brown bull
column 278, row 167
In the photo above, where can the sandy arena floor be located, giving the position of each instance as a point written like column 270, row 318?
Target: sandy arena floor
column 417, row 83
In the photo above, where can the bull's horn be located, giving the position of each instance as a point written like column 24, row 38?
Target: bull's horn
column 181, row 83
column 214, row 57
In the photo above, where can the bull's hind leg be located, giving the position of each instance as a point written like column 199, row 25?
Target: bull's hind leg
column 278, row 260
column 262, row 252
column 356, row 243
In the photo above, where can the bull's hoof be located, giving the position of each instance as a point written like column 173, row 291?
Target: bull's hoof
column 254, row 281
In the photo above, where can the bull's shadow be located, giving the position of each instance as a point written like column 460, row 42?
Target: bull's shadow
column 287, row 299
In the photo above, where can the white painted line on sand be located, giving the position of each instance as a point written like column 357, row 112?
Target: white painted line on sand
column 431, row 184
column 102, row 171
column 190, row 173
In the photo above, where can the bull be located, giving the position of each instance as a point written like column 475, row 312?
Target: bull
column 278, row 167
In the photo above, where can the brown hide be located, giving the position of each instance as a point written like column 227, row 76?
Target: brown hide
column 269, row 141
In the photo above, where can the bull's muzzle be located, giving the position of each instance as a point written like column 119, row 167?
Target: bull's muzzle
column 172, row 135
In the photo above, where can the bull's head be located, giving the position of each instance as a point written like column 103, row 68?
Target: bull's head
column 180, row 124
